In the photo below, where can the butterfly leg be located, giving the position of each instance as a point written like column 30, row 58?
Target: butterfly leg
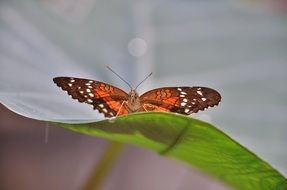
column 124, row 102
column 151, row 107
column 144, row 107
column 148, row 107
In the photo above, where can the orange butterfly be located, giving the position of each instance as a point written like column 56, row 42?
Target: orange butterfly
column 112, row 101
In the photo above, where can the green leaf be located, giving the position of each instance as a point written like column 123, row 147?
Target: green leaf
column 192, row 141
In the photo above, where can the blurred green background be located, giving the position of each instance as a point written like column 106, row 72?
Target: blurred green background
column 236, row 47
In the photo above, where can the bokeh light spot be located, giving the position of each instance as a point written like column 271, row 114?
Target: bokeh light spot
column 137, row 47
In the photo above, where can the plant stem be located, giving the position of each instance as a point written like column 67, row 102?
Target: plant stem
column 104, row 166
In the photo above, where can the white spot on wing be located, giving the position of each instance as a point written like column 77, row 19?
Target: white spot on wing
column 183, row 93
column 87, row 84
column 90, row 101
column 179, row 89
column 185, row 100
column 186, row 110
column 70, row 84
column 199, row 92
column 72, row 80
column 101, row 105
column 82, row 92
column 203, row 99
column 88, row 90
column 105, row 110
column 91, row 94
column 182, row 103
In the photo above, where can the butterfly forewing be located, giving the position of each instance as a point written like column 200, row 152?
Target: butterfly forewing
column 184, row 100
column 103, row 97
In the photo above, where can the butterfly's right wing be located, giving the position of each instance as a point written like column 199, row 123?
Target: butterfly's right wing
column 184, row 100
column 106, row 98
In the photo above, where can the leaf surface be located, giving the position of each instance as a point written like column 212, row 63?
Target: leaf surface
column 197, row 143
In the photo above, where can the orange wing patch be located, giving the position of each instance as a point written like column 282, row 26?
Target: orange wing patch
column 100, row 93
column 118, row 107
column 164, row 98
column 172, row 101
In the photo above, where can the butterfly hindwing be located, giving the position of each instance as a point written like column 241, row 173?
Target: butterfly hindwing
column 106, row 98
column 184, row 100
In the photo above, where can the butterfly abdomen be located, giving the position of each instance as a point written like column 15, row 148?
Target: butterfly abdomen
column 133, row 103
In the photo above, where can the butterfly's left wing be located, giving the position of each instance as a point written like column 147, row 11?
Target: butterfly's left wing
column 184, row 100
column 104, row 97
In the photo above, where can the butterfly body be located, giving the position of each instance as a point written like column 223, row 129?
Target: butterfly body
column 112, row 101
column 133, row 103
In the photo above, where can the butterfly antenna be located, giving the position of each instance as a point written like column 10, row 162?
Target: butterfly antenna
column 120, row 77
column 143, row 80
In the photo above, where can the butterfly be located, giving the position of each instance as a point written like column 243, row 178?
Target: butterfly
column 113, row 101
